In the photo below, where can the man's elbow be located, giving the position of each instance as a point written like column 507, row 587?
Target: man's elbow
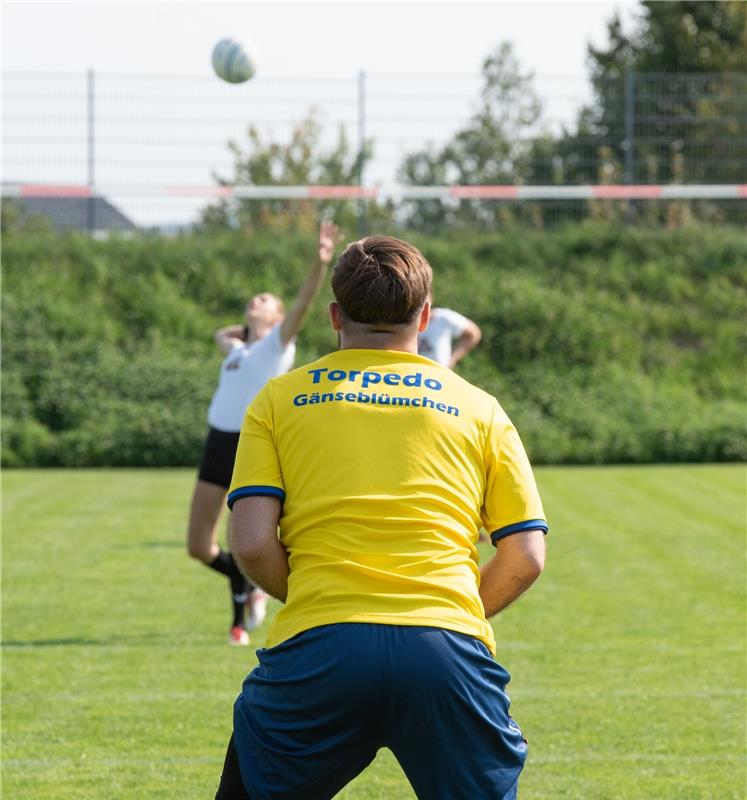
column 528, row 555
column 533, row 561
column 253, row 529
column 532, row 567
column 246, row 549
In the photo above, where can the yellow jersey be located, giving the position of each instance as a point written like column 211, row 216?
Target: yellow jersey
column 387, row 465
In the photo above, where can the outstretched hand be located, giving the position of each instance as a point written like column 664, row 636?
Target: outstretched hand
column 329, row 237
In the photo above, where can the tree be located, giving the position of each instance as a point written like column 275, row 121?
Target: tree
column 677, row 83
column 493, row 148
column 302, row 161
column 682, row 36
column 679, row 79
column 15, row 219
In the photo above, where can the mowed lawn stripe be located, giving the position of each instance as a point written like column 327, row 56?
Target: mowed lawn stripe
column 628, row 656
column 640, row 614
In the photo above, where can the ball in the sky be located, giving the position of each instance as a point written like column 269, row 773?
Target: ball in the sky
column 233, row 60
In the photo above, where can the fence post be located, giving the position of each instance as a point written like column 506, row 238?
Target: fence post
column 362, row 223
column 629, row 125
column 91, row 167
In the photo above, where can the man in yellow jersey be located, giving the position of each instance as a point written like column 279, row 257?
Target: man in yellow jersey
column 360, row 484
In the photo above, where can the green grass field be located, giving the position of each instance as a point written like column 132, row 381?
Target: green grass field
column 628, row 656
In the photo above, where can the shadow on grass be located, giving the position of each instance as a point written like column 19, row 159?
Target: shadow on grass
column 155, row 545
column 74, row 641
column 80, row 641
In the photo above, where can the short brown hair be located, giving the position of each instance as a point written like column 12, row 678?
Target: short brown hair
column 381, row 279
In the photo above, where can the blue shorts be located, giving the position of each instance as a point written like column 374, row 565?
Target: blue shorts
column 312, row 715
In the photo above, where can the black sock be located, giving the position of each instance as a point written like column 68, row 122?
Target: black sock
column 240, row 587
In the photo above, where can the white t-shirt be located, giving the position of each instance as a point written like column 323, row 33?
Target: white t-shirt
column 435, row 341
column 244, row 371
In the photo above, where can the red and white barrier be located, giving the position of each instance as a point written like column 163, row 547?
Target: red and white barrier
column 735, row 191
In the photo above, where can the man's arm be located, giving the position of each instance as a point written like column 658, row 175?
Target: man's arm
column 328, row 233
column 227, row 338
column 517, row 564
column 254, row 544
column 467, row 340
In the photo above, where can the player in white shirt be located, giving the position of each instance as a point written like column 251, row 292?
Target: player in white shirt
column 448, row 337
column 255, row 352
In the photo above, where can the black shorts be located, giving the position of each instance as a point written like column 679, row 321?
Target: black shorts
column 218, row 456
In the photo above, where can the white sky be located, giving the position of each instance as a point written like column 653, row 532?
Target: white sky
column 303, row 38
column 173, row 131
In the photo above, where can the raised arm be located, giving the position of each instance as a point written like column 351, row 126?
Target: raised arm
column 227, row 338
column 466, row 341
column 516, row 565
column 328, row 234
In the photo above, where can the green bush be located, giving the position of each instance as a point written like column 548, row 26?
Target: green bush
column 603, row 343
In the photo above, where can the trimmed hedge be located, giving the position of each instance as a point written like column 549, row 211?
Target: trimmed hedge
column 603, row 343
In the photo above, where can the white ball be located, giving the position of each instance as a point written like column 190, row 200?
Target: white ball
column 233, row 60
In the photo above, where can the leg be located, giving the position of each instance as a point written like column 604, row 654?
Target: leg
column 208, row 500
column 209, row 496
column 452, row 733
column 231, row 786
column 308, row 718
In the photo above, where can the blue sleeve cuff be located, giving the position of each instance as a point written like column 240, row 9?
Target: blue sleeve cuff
column 255, row 491
column 519, row 527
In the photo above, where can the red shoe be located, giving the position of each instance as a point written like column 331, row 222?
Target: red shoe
column 238, row 637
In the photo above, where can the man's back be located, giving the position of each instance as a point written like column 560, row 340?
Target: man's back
column 385, row 532
column 378, row 467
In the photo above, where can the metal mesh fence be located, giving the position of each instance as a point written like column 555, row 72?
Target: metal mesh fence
column 155, row 146
column 672, row 128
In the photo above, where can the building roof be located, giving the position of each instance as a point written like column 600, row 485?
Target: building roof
column 79, row 213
